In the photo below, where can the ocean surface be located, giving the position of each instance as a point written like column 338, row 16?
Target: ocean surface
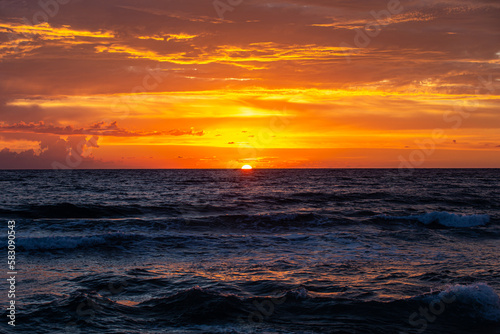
column 260, row 251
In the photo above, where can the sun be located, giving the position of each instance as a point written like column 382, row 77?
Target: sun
column 246, row 167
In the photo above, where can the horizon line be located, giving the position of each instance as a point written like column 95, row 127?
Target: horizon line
column 254, row 168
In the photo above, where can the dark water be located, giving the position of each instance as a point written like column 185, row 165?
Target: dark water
column 262, row 251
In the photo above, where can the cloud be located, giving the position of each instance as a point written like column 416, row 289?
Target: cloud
column 75, row 151
column 190, row 132
column 103, row 45
column 55, row 153
column 100, row 129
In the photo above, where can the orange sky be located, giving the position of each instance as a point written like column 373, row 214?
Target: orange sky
column 281, row 84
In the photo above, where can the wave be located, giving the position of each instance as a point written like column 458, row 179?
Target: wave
column 267, row 220
column 129, row 241
column 444, row 219
column 477, row 301
column 72, row 242
column 107, row 241
column 68, row 210
column 154, row 227
column 459, row 306
column 329, row 197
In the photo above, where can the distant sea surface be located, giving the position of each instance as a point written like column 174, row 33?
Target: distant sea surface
column 260, row 251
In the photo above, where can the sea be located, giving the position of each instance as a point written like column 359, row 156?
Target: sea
column 251, row 251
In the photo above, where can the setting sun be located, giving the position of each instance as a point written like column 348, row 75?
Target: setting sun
column 246, row 167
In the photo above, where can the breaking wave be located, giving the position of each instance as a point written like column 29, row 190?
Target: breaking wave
column 445, row 219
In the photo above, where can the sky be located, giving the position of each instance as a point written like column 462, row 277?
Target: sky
column 272, row 84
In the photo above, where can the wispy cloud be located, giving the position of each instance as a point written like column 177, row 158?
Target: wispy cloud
column 97, row 129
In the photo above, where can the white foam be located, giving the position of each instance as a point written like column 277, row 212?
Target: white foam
column 480, row 299
column 447, row 219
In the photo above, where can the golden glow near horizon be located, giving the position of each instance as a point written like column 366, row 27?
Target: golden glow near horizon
column 183, row 88
column 247, row 167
